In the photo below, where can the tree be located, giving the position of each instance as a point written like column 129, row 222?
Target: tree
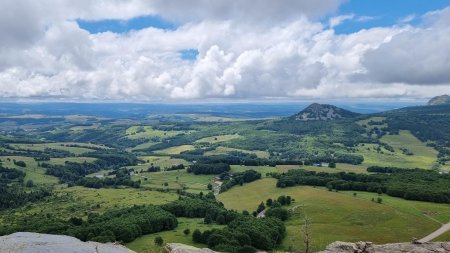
column 261, row 207
column 380, row 191
column 159, row 241
column 208, row 219
column 187, row 231
column 220, row 219
column 379, row 200
column 210, row 187
column 30, row 183
column 282, row 200
column 332, row 165
column 278, row 212
column 288, row 200
column 269, row 202
column 197, row 236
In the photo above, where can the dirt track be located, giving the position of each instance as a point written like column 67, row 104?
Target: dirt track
column 435, row 234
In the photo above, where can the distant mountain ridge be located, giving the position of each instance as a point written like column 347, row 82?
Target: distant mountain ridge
column 439, row 100
column 317, row 111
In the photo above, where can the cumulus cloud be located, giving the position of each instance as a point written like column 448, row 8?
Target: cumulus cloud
column 50, row 56
column 415, row 56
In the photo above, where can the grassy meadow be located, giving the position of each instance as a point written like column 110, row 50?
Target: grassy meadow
column 423, row 156
column 342, row 216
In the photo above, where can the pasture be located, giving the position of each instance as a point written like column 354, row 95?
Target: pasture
column 423, row 156
column 218, row 138
column 147, row 132
column 174, row 180
column 80, row 201
column 341, row 216
column 225, row 150
column 176, row 150
column 72, row 147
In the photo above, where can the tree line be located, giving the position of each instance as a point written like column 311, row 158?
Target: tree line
column 411, row 184
column 122, row 225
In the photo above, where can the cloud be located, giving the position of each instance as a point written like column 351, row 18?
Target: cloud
column 416, row 56
column 288, row 55
column 257, row 10
column 335, row 21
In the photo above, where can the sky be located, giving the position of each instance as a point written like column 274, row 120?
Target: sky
column 208, row 50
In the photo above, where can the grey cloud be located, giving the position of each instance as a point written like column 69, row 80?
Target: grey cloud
column 256, row 10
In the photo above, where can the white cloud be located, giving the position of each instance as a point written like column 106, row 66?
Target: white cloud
column 335, row 21
column 48, row 55
column 417, row 56
column 407, row 19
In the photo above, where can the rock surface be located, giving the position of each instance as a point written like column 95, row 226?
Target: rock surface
column 24, row 242
column 440, row 100
column 182, row 248
column 323, row 112
column 368, row 247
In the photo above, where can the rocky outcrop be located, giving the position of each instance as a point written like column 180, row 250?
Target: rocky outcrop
column 368, row 247
column 24, row 242
column 440, row 100
column 182, row 248
column 322, row 112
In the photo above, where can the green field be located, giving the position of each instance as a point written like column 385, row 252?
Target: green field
column 33, row 172
column 423, row 156
column 79, row 201
column 225, row 150
column 175, row 180
column 82, row 128
column 176, row 150
column 147, row 132
column 142, row 146
column 161, row 161
column 80, row 149
column 219, row 138
column 80, row 159
column 340, row 167
column 145, row 244
column 443, row 238
column 340, row 216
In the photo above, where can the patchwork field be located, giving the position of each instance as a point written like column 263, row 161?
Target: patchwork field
column 225, row 150
column 72, row 147
column 422, row 157
column 176, row 150
column 174, row 180
column 162, row 161
column 147, row 132
column 341, row 216
column 218, row 138
column 79, row 201
column 33, row 172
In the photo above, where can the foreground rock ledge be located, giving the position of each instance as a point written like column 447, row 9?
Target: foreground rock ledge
column 182, row 248
column 23, row 242
column 367, row 247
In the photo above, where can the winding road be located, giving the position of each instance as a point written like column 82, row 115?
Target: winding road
column 444, row 228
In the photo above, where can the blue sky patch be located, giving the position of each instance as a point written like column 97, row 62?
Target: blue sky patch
column 124, row 26
column 188, row 54
column 384, row 13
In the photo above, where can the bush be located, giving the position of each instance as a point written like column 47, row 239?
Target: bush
column 159, row 241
